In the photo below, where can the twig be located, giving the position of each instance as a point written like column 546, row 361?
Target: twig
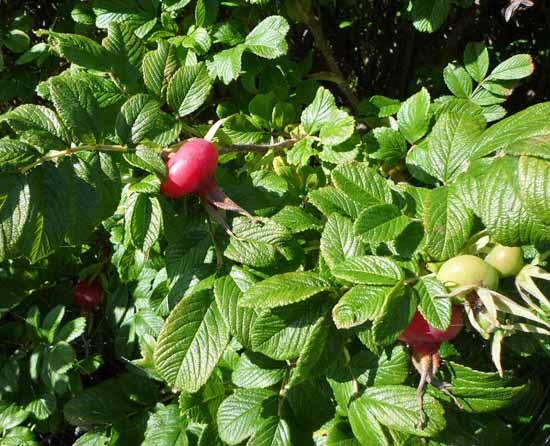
column 259, row 148
column 407, row 58
column 314, row 24
column 54, row 154
column 282, row 394
column 217, row 248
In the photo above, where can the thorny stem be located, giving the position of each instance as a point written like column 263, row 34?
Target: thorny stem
column 259, row 148
column 54, row 154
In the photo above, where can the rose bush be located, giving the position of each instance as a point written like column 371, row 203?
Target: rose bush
column 141, row 305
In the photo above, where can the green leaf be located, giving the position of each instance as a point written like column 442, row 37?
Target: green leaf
column 243, row 413
column 148, row 159
column 435, row 308
column 371, row 270
column 142, row 16
column 92, row 439
column 362, row 184
column 380, row 223
column 11, row 415
column 39, row 126
column 104, row 90
column 524, row 133
column 414, row 116
column 515, row 67
column 447, row 223
column 49, row 220
column 428, row 15
column 143, row 221
column 338, row 241
column 451, row 144
column 137, row 119
column 267, row 231
column 51, row 322
column 158, row 68
column 16, row 40
column 284, row 289
column 494, row 112
column 19, row 436
column 341, row 435
column 166, row 427
column 126, row 51
column 15, row 154
column 482, row 392
column 226, row 65
column 280, row 333
column 198, row 39
column 339, row 128
column 71, row 330
column 309, row 362
column 458, row 80
column 396, row 407
column 273, row 432
column 393, row 317
column 110, row 401
column 388, row 145
column 254, row 371
column 188, row 88
column 476, row 60
column 319, row 112
column 267, row 39
column 77, row 107
column 255, row 254
column 391, row 367
column 504, row 210
column 301, row 152
column 206, row 12
column 82, row 51
column 534, row 183
column 410, row 240
column 191, row 342
column 241, row 129
column 294, row 218
column 61, row 358
column 362, row 303
column 240, row 320
column 331, row 200
column 43, row 407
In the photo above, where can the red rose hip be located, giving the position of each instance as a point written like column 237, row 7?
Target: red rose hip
column 424, row 341
column 191, row 169
column 88, row 295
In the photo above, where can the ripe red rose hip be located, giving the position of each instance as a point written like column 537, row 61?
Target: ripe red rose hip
column 424, row 341
column 421, row 335
column 88, row 295
column 191, row 169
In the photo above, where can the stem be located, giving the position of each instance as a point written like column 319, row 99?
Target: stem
column 314, row 24
column 407, row 58
column 245, row 148
column 259, row 148
column 191, row 130
column 54, row 154
column 354, row 383
column 282, row 394
column 219, row 257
